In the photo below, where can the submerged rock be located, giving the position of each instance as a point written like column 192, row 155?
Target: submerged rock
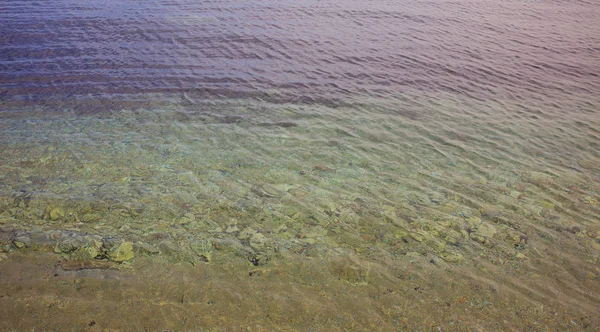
column 452, row 257
column 234, row 246
column 121, row 253
column 91, row 217
column 246, row 233
column 477, row 237
column 486, row 229
column 266, row 191
column 146, row 248
column 169, row 248
column 69, row 243
column 56, row 213
column 258, row 241
column 87, row 252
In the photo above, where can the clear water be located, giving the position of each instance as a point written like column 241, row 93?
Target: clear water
column 456, row 134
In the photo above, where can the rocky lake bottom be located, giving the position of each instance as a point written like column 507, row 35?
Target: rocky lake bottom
column 287, row 216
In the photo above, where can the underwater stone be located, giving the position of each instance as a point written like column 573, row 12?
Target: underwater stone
column 56, row 213
column 187, row 218
column 233, row 245
column 349, row 218
column 486, row 229
column 452, row 257
column 86, row 252
column 69, row 245
column 266, row 191
column 473, row 221
column 169, row 248
column 121, row 253
column 187, row 177
column 91, row 217
column 257, row 241
column 22, row 241
column 246, row 233
column 417, row 237
column 477, row 237
column 451, row 240
column 146, row 248
column 8, row 247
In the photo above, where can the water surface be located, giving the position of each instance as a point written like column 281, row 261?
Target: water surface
column 393, row 143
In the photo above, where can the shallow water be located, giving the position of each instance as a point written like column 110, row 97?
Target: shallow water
column 452, row 138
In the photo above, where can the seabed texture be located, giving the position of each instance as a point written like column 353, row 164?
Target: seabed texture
column 246, row 215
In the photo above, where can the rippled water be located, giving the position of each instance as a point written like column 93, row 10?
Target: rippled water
column 308, row 51
column 461, row 136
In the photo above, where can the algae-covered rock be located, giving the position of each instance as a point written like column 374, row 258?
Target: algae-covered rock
column 91, row 217
column 246, row 233
column 121, row 253
column 86, row 252
column 203, row 250
column 69, row 244
column 520, row 256
column 473, row 221
column 56, row 213
column 266, row 191
column 452, row 257
column 258, row 241
column 349, row 217
column 232, row 229
column 234, row 246
column 477, row 237
column 417, row 236
column 145, row 248
column 449, row 207
column 451, row 240
column 487, row 230
column 169, row 248
column 187, row 218
column 22, row 241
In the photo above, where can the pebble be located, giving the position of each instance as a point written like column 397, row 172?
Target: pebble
column 91, row 217
column 452, row 257
column 477, row 237
column 258, row 241
column 56, row 213
column 232, row 229
column 169, row 248
column 486, row 229
column 146, row 248
column 121, row 253
column 246, row 233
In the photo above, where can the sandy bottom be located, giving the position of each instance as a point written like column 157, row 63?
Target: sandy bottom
column 40, row 291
